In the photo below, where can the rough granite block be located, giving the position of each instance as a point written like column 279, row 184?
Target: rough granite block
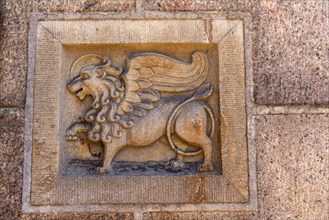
column 11, row 162
column 292, row 166
column 197, row 5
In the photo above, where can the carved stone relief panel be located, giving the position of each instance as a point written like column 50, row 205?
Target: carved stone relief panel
column 136, row 112
column 152, row 107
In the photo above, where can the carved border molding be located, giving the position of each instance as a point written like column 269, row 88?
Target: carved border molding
column 45, row 190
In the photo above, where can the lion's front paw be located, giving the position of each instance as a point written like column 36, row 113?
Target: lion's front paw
column 206, row 167
column 103, row 170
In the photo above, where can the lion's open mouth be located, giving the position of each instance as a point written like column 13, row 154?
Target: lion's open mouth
column 79, row 90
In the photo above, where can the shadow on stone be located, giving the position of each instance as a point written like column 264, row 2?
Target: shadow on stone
column 77, row 167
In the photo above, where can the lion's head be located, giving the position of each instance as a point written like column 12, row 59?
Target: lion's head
column 97, row 80
column 103, row 82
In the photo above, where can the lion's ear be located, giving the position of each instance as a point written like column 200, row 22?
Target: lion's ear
column 119, row 69
column 107, row 67
column 112, row 70
column 106, row 60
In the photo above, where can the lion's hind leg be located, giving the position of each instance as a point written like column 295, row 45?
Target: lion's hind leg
column 206, row 145
column 191, row 126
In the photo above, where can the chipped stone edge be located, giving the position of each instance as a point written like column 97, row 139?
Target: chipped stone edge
column 139, row 209
column 290, row 109
column 29, row 114
column 249, row 108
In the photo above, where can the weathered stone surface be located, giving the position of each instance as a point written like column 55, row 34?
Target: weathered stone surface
column 197, row 5
column 82, row 6
column 14, row 37
column 289, row 41
column 80, row 216
column 154, row 31
column 11, row 163
column 13, row 53
column 290, row 52
column 200, row 215
column 292, row 166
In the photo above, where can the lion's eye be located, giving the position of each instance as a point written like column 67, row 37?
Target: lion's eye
column 84, row 75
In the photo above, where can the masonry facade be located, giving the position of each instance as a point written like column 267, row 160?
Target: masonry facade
column 288, row 88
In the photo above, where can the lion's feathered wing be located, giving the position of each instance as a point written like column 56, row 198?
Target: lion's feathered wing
column 151, row 73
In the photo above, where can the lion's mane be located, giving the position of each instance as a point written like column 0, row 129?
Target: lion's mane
column 106, row 122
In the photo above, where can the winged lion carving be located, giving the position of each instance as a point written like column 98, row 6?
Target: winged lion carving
column 155, row 96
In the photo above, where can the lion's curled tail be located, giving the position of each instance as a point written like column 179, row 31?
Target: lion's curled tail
column 203, row 92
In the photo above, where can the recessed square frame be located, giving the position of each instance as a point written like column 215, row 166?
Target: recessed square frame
column 44, row 190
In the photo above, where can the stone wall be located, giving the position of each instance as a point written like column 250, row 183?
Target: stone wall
column 290, row 92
